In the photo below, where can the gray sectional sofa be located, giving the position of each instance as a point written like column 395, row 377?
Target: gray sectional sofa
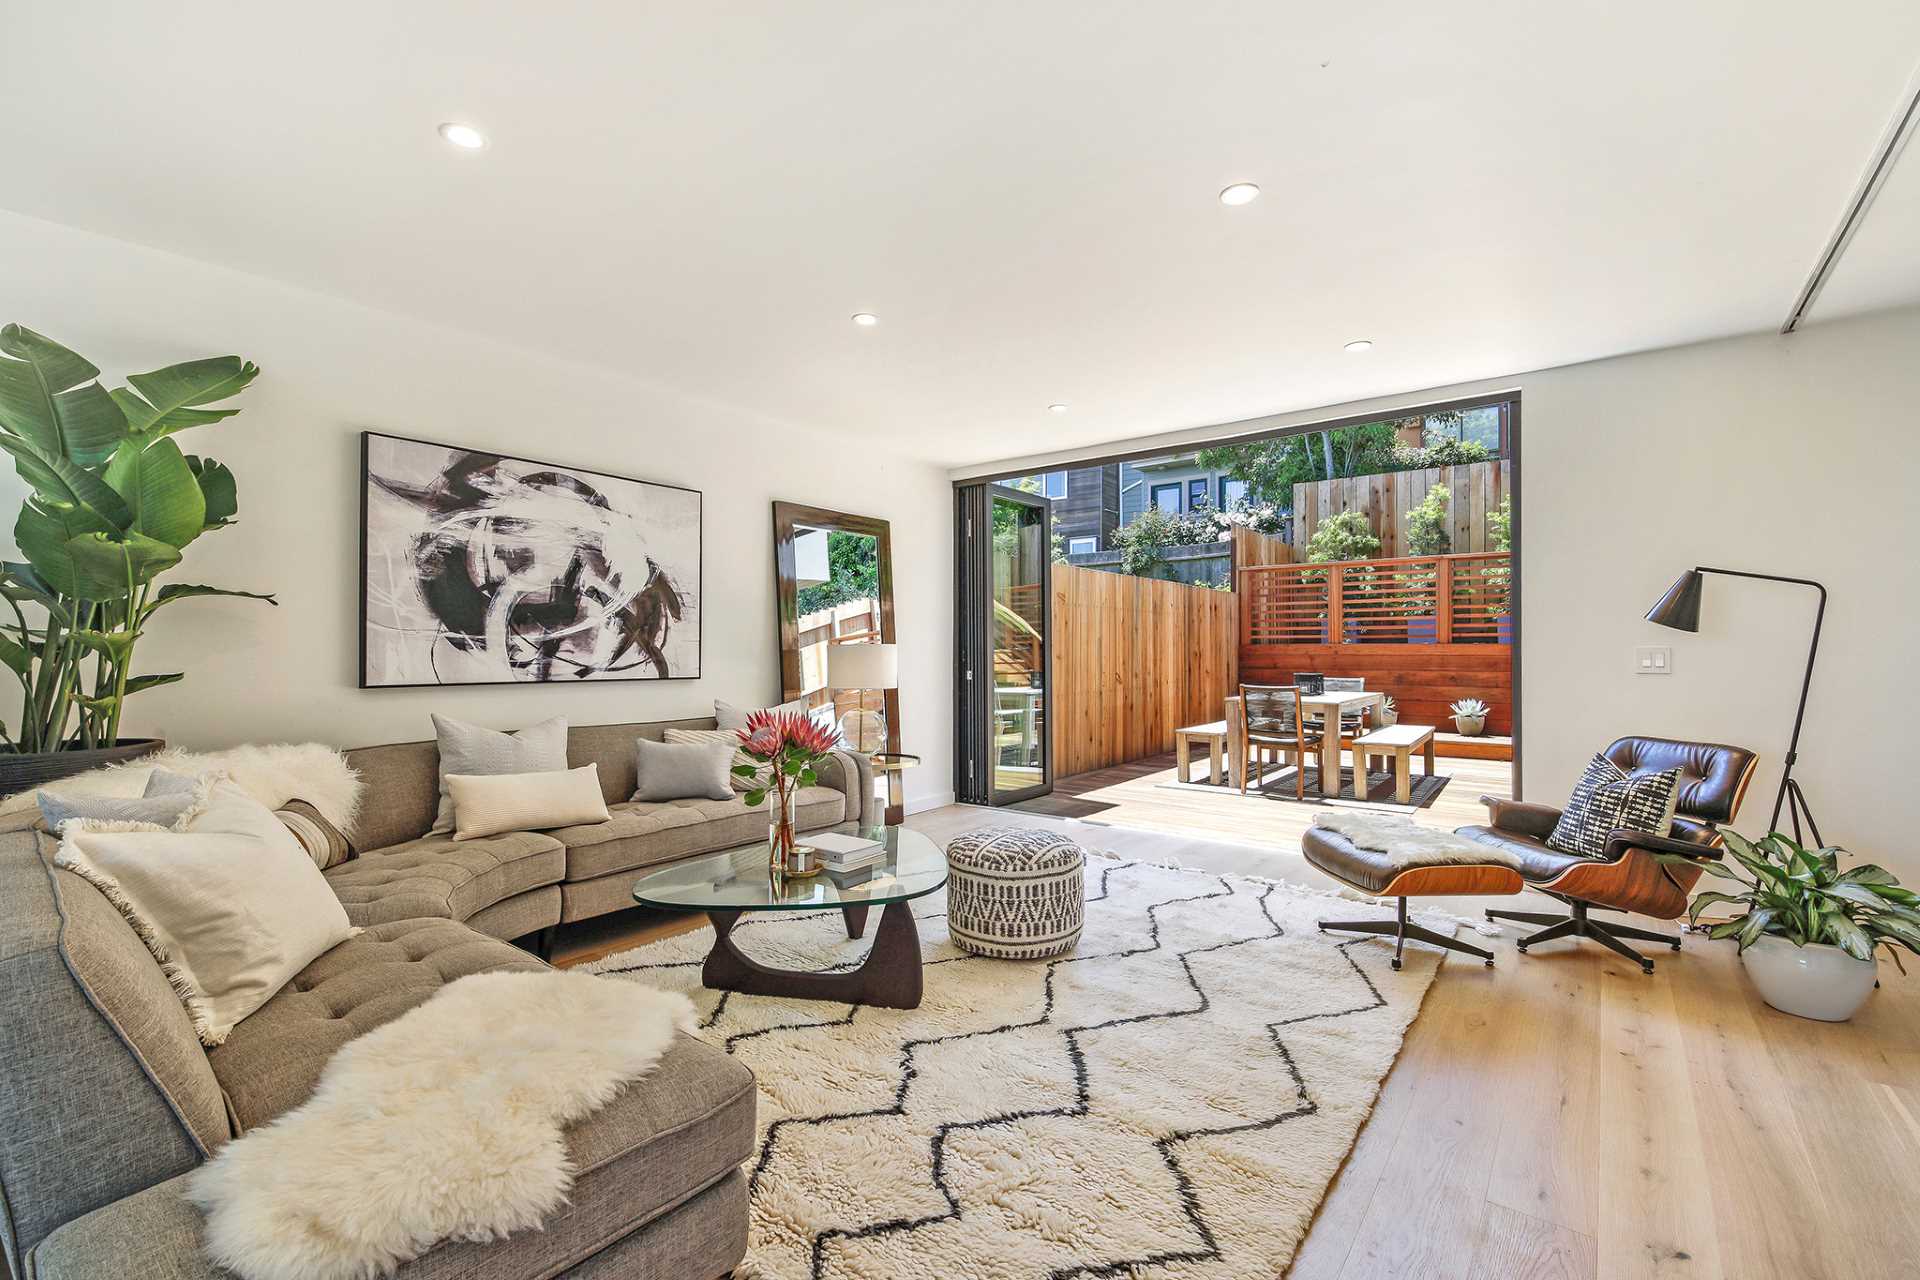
column 107, row 1098
column 522, row 883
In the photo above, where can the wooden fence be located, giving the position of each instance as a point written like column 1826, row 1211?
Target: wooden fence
column 855, row 622
column 1426, row 629
column 1473, row 490
column 1251, row 549
column 1133, row 660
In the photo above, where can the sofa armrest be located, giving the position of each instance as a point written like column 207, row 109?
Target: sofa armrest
column 153, row 1234
column 851, row 774
column 1520, row 818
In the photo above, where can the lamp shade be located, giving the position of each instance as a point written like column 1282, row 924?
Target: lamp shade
column 863, row 666
column 1680, row 607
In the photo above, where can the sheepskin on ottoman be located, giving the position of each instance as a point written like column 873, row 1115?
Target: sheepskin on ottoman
column 1015, row 893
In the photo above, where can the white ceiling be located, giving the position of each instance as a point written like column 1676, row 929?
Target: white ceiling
column 702, row 194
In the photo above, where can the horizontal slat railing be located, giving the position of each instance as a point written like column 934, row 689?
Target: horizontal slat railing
column 1450, row 599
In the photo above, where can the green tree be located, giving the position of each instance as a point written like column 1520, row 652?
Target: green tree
column 853, row 572
column 1346, row 536
column 1427, row 533
column 1270, row 468
column 1500, row 525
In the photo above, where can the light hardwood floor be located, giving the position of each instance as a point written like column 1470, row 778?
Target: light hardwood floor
column 1563, row 1116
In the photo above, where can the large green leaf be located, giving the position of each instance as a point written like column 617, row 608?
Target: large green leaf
column 138, row 683
column 160, row 490
column 100, row 560
column 1868, row 873
column 59, row 479
column 173, row 399
column 50, row 396
column 217, row 488
column 1704, row 900
column 15, row 655
column 45, row 532
column 1849, row 937
column 187, row 590
column 1754, row 925
column 1847, row 891
column 116, row 645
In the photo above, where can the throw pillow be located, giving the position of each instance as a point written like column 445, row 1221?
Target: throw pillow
column 470, row 749
column 323, row 841
column 488, row 804
column 731, row 740
column 168, row 796
column 230, row 906
column 1608, row 799
column 682, row 770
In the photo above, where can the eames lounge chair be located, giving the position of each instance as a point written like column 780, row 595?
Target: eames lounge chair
column 1627, row 877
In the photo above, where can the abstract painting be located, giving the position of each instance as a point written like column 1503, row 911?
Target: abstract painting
column 477, row 568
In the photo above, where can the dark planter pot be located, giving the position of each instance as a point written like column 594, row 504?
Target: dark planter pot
column 1423, row 630
column 25, row 772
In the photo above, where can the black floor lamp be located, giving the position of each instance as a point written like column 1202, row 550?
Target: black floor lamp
column 1680, row 609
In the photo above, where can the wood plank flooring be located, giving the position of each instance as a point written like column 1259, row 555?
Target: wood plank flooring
column 1561, row 1116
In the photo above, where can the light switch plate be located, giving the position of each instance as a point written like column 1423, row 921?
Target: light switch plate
column 1653, row 660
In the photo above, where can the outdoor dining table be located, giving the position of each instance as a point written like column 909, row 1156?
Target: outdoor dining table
column 1327, row 708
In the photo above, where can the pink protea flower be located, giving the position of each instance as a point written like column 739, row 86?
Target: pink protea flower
column 769, row 733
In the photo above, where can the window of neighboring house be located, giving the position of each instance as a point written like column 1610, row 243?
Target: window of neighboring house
column 1231, row 491
column 1082, row 546
column 1196, row 493
column 1166, row 497
column 1054, row 484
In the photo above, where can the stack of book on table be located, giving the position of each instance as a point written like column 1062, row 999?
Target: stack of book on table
column 840, row 852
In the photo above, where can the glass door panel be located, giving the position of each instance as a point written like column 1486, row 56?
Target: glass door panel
column 1019, row 754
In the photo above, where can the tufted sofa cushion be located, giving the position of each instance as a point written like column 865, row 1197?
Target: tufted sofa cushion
column 272, row 1060
column 434, row 876
column 643, row 833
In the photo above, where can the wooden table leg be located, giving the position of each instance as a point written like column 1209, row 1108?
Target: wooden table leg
column 1429, row 755
column 1329, row 754
column 1215, row 748
column 1403, row 775
column 889, row 977
column 856, row 918
column 1182, row 758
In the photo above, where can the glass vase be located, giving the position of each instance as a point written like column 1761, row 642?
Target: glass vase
column 781, row 808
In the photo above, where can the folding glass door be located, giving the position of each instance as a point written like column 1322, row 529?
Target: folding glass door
column 1005, row 540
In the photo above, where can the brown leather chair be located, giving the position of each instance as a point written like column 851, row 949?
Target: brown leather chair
column 1713, row 782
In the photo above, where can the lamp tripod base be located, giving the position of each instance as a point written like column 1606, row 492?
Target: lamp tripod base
column 1798, row 811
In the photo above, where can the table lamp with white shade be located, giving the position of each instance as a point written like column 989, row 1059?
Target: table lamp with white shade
column 863, row 667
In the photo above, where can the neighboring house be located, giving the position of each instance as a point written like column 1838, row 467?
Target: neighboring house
column 1086, row 507
column 1175, row 483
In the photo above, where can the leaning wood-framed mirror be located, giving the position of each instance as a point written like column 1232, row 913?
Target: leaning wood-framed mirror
column 833, row 588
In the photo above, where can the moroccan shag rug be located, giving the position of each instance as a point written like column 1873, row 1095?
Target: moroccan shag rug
column 1172, row 1098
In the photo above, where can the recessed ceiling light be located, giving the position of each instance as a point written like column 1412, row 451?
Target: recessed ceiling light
column 865, row 319
column 1056, row 408
column 1240, row 193
column 1358, row 345
column 464, row 136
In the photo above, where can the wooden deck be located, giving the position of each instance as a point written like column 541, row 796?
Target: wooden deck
column 1142, row 794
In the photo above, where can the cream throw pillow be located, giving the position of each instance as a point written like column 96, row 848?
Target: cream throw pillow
column 731, row 739
column 488, row 804
column 230, row 905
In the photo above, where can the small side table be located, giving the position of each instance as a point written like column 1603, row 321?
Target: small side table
column 1213, row 735
column 893, row 764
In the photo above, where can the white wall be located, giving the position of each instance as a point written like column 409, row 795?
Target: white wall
column 1795, row 456
column 331, row 369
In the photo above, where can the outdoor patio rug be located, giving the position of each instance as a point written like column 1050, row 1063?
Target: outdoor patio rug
column 1171, row 1098
column 1278, row 785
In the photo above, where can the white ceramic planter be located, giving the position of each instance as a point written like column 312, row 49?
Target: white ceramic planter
column 1816, row 981
column 1470, row 726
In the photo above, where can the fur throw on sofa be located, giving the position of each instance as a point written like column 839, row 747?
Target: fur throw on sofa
column 444, row 1124
column 273, row 774
column 1407, row 844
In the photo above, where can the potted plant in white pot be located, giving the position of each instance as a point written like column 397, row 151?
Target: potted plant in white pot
column 112, row 504
column 1808, row 930
column 1389, row 712
column 1469, row 717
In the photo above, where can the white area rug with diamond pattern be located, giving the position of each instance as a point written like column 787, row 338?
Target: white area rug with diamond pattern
column 1172, row 1098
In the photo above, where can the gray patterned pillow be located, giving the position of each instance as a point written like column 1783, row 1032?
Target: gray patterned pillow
column 168, row 795
column 732, row 741
column 469, row 749
column 1607, row 799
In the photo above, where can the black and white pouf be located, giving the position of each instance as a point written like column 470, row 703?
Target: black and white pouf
column 1015, row 892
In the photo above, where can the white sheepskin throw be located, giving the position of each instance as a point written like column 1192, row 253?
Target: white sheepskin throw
column 445, row 1124
column 1408, row 844
column 273, row 774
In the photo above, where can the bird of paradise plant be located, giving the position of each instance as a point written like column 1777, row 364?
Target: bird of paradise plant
column 787, row 745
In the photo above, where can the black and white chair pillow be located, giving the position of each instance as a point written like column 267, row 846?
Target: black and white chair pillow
column 1608, row 799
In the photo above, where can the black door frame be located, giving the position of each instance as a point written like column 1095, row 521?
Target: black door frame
column 974, row 698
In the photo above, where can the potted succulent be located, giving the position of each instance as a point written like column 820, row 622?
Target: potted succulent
column 1469, row 717
column 1807, row 931
column 1389, row 712
column 112, row 503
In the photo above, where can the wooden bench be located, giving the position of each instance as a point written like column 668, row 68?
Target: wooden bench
column 1214, row 737
column 1399, row 741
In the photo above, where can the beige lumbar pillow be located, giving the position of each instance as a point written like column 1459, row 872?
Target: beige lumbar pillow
column 488, row 804
column 229, row 903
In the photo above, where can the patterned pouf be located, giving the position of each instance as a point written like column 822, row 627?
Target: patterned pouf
column 1015, row 892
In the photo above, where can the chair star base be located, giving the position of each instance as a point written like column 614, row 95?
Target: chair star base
column 1581, row 925
column 1401, row 929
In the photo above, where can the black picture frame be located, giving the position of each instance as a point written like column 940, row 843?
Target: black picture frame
column 366, row 484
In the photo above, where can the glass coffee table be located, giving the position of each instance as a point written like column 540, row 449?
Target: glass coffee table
column 732, row 882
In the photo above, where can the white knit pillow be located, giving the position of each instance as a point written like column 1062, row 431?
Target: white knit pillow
column 488, row 804
column 229, row 904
